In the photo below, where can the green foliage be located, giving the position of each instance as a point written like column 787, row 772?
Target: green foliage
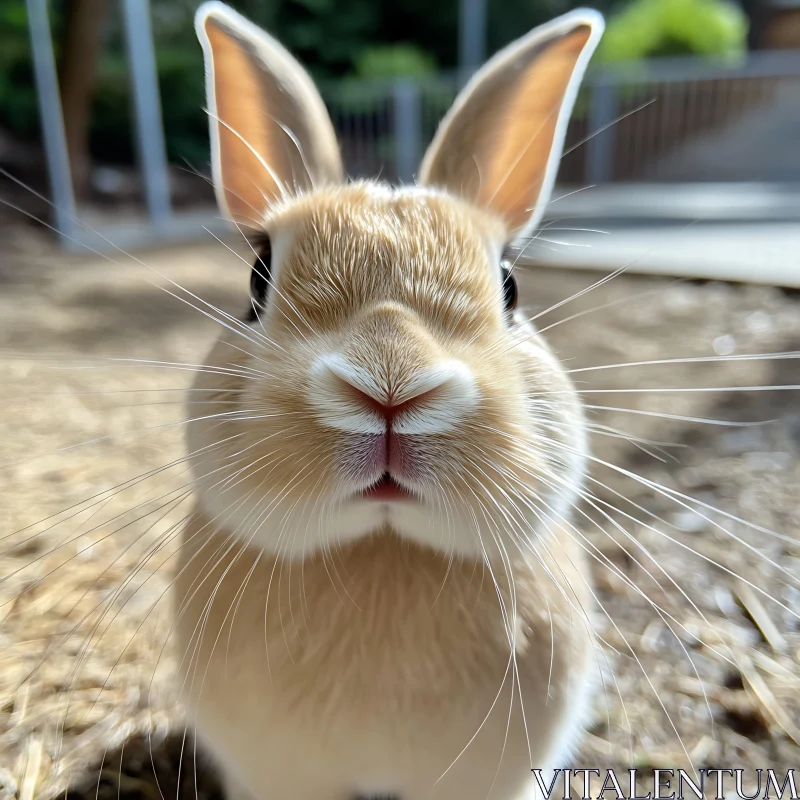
column 110, row 131
column 326, row 35
column 181, row 80
column 17, row 95
column 391, row 61
column 650, row 28
column 182, row 90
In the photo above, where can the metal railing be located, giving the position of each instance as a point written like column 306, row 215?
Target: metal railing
column 650, row 121
column 384, row 126
column 691, row 120
column 151, row 148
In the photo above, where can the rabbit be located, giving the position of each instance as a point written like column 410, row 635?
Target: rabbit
column 381, row 592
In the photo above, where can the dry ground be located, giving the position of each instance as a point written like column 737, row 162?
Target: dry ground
column 83, row 620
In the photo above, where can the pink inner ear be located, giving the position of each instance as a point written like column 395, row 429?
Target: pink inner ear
column 495, row 146
column 272, row 134
column 526, row 139
column 247, row 186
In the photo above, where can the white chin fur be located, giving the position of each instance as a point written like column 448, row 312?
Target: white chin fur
column 296, row 530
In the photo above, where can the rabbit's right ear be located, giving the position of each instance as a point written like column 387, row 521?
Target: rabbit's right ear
column 501, row 142
column 271, row 135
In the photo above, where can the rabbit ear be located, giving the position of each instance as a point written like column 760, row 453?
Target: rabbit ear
column 500, row 144
column 270, row 133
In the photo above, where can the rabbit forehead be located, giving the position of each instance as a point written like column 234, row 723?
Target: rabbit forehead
column 368, row 242
column 377, row 208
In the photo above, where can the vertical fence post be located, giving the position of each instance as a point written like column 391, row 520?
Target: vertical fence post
column 147, row 111
column 471, row 37
column 600, row 148
column 52, row 120
column 407, row 125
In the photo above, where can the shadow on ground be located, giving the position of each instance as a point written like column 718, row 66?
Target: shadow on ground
column 149, row 770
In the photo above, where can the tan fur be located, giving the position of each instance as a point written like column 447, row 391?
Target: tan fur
column 394, row 281
column 333, row 646
column 372, row 668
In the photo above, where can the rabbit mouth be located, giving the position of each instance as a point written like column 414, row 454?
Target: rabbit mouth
column 386, row 489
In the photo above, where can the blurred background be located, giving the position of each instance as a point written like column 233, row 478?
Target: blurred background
column 689, row 117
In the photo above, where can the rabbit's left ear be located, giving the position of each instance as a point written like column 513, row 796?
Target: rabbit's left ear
column 500, row 144
column 271, row 136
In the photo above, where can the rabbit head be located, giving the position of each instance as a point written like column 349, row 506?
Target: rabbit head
column 385, row 381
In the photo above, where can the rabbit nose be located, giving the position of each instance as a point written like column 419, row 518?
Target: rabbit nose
column 432, row 400
column 387, row 407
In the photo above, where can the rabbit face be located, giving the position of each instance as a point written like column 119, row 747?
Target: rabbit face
column 386, row 381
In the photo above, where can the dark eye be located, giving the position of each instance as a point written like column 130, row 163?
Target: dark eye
column 509, row 285
column 259, row 279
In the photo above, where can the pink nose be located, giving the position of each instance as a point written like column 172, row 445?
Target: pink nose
column 388, row 410
column 355, row 400
column 391, row 418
